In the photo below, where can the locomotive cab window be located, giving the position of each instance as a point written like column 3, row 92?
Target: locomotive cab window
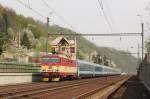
column 48, row 59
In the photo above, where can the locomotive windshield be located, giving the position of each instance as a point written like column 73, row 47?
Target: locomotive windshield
column 50, row 59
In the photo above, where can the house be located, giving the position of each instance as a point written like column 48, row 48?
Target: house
column 64, row 47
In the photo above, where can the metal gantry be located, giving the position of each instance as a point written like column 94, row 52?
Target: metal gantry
column 98, row 34
column 108, row 34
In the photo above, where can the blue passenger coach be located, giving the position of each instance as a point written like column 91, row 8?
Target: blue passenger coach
column 88, row 69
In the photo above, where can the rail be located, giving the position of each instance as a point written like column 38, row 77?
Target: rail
column 36, row 91
column 87, row 94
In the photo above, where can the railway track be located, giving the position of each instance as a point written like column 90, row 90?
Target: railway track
column 76, row 91
column 102, row 92
column 10, row 90
column 57, row 90
column 5, row 87
column 27, row 90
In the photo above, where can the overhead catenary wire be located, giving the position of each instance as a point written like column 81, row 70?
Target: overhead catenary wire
column 105, row 16
column 58, row 15
column 41, row 15
column 109, row 11
column 110, row 15
column 101, row 4
column 29, row 3
column 29, row 7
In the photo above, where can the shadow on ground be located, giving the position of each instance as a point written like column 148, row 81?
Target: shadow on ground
column 132, row 89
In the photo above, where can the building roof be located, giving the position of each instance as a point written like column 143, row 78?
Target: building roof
column 71, row 42
column 58, row 40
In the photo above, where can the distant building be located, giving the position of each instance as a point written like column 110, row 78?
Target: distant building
column 64, row 47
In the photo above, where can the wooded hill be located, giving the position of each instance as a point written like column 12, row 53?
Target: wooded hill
column 25, row 33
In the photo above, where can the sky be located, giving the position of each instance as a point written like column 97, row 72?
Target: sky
column 86, row 16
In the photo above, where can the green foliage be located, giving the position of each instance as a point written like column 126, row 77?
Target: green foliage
column 1, row 50
column 42, row 48
column 80, row 55
column 97, row 59
column 106, row 63
column 25, row 41
column 147, row 45
column 15, row 23
column 41, row 45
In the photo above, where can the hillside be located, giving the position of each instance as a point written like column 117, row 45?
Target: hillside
column 25, row 33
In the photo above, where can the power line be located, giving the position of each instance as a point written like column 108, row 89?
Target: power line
column 28, row 6
column 106, row 18
column 101, row 4
column 58, row 15
column 109, row 11
column 29, row 3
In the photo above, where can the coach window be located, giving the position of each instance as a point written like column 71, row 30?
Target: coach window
column 98, row 69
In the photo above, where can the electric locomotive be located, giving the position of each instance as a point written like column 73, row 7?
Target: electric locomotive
column 56, row 68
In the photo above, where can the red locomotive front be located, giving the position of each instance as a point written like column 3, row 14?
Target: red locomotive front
column 56, row 68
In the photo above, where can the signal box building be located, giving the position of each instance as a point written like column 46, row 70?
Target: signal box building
column 64, row 47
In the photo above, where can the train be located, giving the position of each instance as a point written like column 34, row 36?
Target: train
column 57, row 68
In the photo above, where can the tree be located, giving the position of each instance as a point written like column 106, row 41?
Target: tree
column 94, row 58
column 147, row 45
column 6, row 22
column 99, row 59
column 41, row 45
column 1, row 50
column 147, row 29
column 25, row 41
column 106, row 63
column 80, row 55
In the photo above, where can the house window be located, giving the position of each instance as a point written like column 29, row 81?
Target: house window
column 72, row 50
column 62, row 48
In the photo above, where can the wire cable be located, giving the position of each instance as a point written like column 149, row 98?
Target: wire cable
column 58, row 15
column 27, row 6
column 109, row 11
column 105, row 16
column 29, row 3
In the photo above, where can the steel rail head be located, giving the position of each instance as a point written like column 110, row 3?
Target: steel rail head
column 84, row 95
column 28, row 93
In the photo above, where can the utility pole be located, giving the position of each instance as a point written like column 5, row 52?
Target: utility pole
column 138, row 58
column 138, row 54
column 142, row 34
column 47, row 36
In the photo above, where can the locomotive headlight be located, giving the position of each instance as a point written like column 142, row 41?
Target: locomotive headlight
column 43, row 70
column 50, row 67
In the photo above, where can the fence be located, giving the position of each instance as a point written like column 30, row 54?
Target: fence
column 144, row 71
column 19, row 68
